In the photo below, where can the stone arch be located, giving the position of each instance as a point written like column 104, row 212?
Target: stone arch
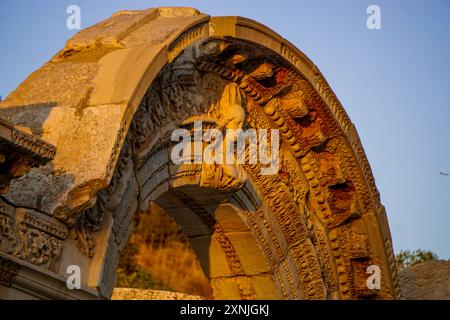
column 128, row 81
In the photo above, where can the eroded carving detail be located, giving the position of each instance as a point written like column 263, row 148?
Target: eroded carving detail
column 19, row 152
column 246, row 291
column 41, row 238
column 9, row 242
column 316, row 197
column 8, row 271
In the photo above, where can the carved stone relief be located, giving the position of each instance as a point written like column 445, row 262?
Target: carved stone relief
column 305, row 225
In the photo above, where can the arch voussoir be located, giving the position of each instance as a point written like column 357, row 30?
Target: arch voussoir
column 313, row 228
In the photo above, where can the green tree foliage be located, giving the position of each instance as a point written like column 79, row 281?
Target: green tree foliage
column 407, row 258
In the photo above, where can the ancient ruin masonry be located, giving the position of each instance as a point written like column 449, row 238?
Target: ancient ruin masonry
column 85, row 144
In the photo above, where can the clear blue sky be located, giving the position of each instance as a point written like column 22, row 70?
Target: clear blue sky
column 393, row 82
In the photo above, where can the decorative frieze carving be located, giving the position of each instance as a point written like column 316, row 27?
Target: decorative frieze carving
column 34, row 144
column 306, row 218
column 41, row 237
column 8, row 271
column 31, row 236
column 305, row 223
column 9, row 242
column 195, row 33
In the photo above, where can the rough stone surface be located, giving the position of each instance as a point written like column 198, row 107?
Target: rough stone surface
column 426, row 281
column 146, row 294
